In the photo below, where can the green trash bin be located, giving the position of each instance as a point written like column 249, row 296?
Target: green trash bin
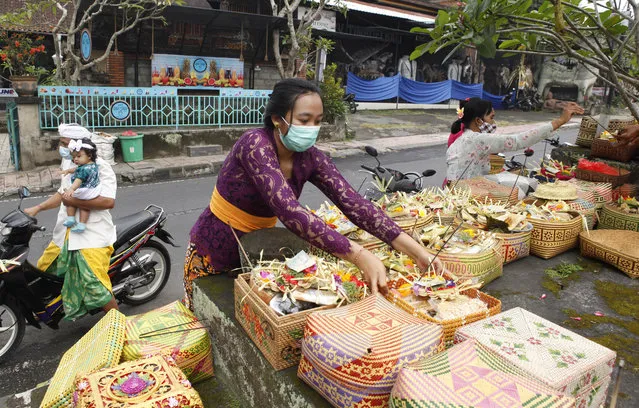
column 132, row 148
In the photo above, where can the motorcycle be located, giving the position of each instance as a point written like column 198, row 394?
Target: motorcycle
column 526, row 100
column 391, row 180
column 139, row 269
column 349, row 100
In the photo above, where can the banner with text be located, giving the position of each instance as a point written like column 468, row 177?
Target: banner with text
column 197, row 72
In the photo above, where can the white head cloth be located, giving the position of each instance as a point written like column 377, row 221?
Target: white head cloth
column 73, row 131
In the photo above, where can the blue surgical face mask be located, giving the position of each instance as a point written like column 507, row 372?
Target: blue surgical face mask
column 65, row 153
column 299, row 138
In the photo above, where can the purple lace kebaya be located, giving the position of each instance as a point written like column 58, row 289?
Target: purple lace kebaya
column 251, row 180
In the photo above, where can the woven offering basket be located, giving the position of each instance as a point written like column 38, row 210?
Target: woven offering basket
column 481, row 268
column 627, row 190
column 585, row 208
column 516, row 245
column 602, row 192
column 448, row 326
column 551, row 238
column 496, row 163
column 607, row 149
column 619, row 123
column 587, row 131
column 100, row 347
column 408, row 224
column 484, row 190
column 277, row 337
column 615, row 247
column 616, row 180
column 444, row 219
column 611, row 217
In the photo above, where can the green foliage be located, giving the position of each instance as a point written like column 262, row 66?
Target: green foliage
column 563, row 270
column 332, row 95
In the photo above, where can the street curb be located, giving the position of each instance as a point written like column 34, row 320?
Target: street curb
column 46, row 180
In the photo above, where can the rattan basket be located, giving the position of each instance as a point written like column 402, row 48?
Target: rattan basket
column 611, row 217
column 496, row 163
column 602, row 192
column 278, row 337
column 450, row 327
column 484, row 190
column 410, row 224
column 585, row 208
column 587, row 131
column 551, row 238
column 607, row 149
column 618, row 123
column 617, row 248
column 627, row 190
column 516, row 245
column 482, row 268
column 616, row 180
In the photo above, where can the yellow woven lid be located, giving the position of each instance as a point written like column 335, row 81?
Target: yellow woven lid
column 556, row 191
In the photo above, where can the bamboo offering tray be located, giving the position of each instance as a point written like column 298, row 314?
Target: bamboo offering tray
column 618, row 248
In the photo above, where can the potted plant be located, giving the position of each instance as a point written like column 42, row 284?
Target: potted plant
column 18, row 57
column 132, row 147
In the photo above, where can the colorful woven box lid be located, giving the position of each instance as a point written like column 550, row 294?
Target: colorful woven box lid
column 602, row 191
column 147, row 383
column 484, row 189
column 101, row 347
column 362, row 345
column 172, row 329
column 469, row 375
column 548, row 352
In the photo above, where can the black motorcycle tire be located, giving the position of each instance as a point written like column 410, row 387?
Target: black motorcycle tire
column 352, row 108
column 166, row 259
column 20, row 322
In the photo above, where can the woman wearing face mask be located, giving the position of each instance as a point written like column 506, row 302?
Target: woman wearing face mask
column 261, row 181
column 471, row 140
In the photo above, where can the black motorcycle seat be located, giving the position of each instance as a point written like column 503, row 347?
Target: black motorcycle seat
column 133, row 225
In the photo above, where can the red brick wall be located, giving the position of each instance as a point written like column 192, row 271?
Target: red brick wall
column 115, row 68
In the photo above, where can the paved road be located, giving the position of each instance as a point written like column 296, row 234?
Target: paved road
column 37, row 358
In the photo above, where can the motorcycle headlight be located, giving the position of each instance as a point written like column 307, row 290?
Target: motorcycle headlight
column 5, row 231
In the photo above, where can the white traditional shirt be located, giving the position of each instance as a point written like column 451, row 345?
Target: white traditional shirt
column 477, row 147
column 100, row 231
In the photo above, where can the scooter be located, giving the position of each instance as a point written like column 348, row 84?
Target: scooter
column 139, row 270
column 349, row 100
column 392, row 180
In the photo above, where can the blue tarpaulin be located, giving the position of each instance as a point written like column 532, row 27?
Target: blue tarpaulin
column 376, row 90
column 423, row 92
column 415, row 92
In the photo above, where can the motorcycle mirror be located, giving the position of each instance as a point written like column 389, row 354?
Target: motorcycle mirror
column 371, row 151
column 429, row 173
column 23, row 192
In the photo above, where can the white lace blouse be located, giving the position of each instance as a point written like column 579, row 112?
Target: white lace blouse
column 476, row 147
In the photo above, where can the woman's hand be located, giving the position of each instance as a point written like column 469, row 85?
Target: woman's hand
column 629, row 136
column 570, row 108
column 32, row 211
column 374, row 272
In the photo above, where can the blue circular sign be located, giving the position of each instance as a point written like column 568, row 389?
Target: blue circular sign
column 200, row 65
column 85, row 44
column 120, row 110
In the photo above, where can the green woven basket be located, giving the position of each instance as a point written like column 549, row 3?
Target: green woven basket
column 611, row 217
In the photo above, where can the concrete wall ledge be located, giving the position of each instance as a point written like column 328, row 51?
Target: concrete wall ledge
column 240, row 367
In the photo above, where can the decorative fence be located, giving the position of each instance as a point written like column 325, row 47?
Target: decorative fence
column 95, row 107
column 416, row 92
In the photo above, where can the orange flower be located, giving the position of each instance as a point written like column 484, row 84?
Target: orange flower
column 19, row 55
column 3, row 57
column 32, row 51
column 41, row 47
column 17, row 43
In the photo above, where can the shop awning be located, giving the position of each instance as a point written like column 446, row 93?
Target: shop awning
column 355, row 5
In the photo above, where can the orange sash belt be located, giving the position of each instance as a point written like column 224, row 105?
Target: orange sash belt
column 236, row 218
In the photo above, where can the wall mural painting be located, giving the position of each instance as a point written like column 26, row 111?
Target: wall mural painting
column 197, row 72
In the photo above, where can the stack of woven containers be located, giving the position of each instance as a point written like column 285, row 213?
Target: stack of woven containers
column 143, row 359
column 484, row 190
column 512, row 359
column 351, row 355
